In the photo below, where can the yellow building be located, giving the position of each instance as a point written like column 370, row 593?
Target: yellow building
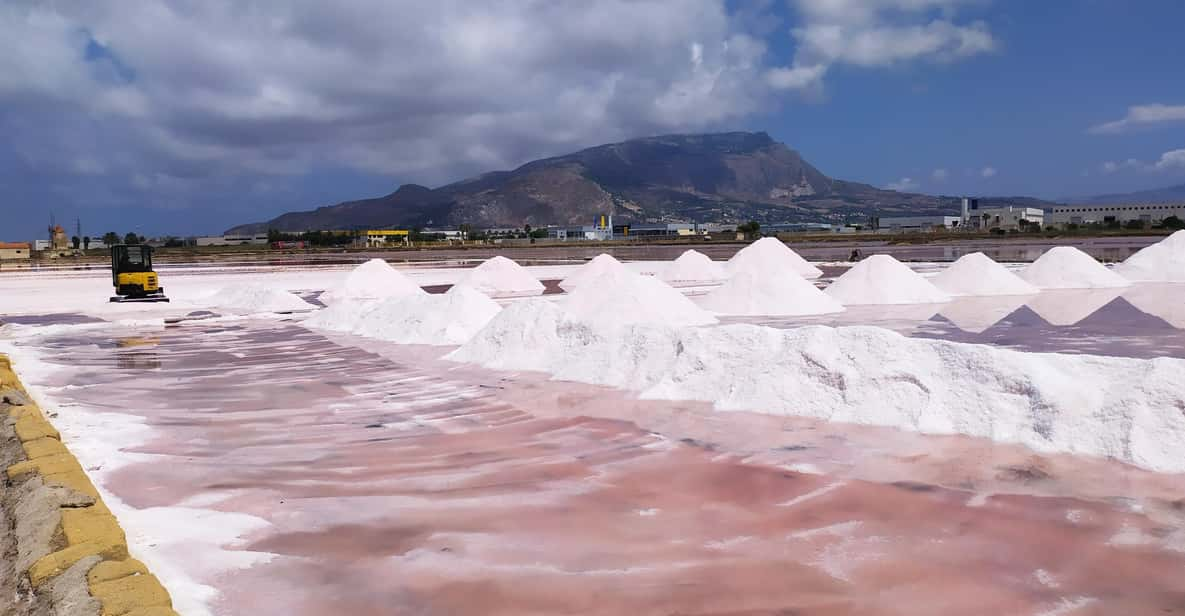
column 378, row 238
column 14, row 250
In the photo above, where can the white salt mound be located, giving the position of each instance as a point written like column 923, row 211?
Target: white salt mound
column 978, row 274
column 342, row 315
column 1123, row 408
column 693, row 267
column 502, row 277
column 600, row 265
column 784, row 294
column 439, row 319
column 252, row 298
column 881, row 279
column 375, row 279
column 622, row 297
column 771, row 253
column 1066, row 267
column 1163, row 261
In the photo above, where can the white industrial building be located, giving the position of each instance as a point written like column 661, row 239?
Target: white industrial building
column 1087, row 214
column 232, row 240
column 1007, row 218
column 917, row 223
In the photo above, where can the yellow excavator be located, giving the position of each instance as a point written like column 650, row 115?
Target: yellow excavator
column 131, row 272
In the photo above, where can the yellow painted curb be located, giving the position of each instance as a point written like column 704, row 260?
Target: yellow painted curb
column 122, row 585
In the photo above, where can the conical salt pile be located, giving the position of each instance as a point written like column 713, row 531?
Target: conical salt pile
column 978, row 274
column 785, row 294
column 619, row 298
column 1163, row 261
column 448, row 318
column 770, row 250
column 693, row 267
column 601, row 264
column 502, row 277
column 881, row 279
column 1066, row 267
column 375, row 279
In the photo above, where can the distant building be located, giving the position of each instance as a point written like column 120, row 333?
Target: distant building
column 12, row 251
column 905, row 224
column 1007, row 218
column 1088, row 214
column 378, row 238
column 58, row 239
column 232, row 240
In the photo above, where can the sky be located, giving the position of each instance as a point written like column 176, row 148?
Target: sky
column 187, row 117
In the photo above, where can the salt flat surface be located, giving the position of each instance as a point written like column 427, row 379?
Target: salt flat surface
column 881, row 279
column 1066, row 267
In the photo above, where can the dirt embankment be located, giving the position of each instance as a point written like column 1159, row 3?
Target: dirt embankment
column 64, row 552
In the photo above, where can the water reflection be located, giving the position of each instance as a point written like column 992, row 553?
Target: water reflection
column 1069, row 306
column 978, row 314
column 1164, row 301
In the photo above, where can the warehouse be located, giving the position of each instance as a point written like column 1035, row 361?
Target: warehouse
column 1087, row 214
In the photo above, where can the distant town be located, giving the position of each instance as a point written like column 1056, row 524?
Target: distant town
column 1003, row 220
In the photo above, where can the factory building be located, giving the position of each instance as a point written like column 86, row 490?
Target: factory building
column 378, row 238
column 1007, row 218
column 232, row 240
column 14, row 251
column 1088, row 214
column 902, row 224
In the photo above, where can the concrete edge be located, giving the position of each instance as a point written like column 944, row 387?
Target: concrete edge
column 71, row 550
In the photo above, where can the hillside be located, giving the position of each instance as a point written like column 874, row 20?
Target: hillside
column 1169, row 194
column 673, row 178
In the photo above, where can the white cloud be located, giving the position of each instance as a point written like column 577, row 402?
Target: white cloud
column 940, row 175
column 1142, row 116
column 988, row 172
column 1172, row 160
column 903, row 185
column 878, row 33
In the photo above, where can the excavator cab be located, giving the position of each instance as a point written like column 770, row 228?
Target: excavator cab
column 132, row 275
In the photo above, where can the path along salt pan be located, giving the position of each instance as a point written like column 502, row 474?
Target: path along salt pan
column 881, row 279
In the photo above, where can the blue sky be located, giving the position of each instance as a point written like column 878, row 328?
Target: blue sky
column 172, row 118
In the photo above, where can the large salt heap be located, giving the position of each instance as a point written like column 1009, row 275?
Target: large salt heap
column 502, row 277
column 1163, row 261
column 780, row 294
column 621, row 297
column 770, row 252
column 595, row 268
column 1066, row 267
column 881, row 279
column 977, row 274
column 693, row 267
column 440, row 319
column 254, row 298
column 375, row 279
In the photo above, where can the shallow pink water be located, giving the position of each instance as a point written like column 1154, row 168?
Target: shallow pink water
column 397, row 483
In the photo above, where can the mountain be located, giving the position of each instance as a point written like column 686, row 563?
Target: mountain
column 723, row 177
column 1169, row 194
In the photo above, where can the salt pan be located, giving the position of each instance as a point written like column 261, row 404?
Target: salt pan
column 784, row 294
column 770, row 252
column 375, row 279
column 978, row 274
column 502, row 277
column 881, row 279
column 1066, row 267
column 1163, row 261
column 693, row 267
